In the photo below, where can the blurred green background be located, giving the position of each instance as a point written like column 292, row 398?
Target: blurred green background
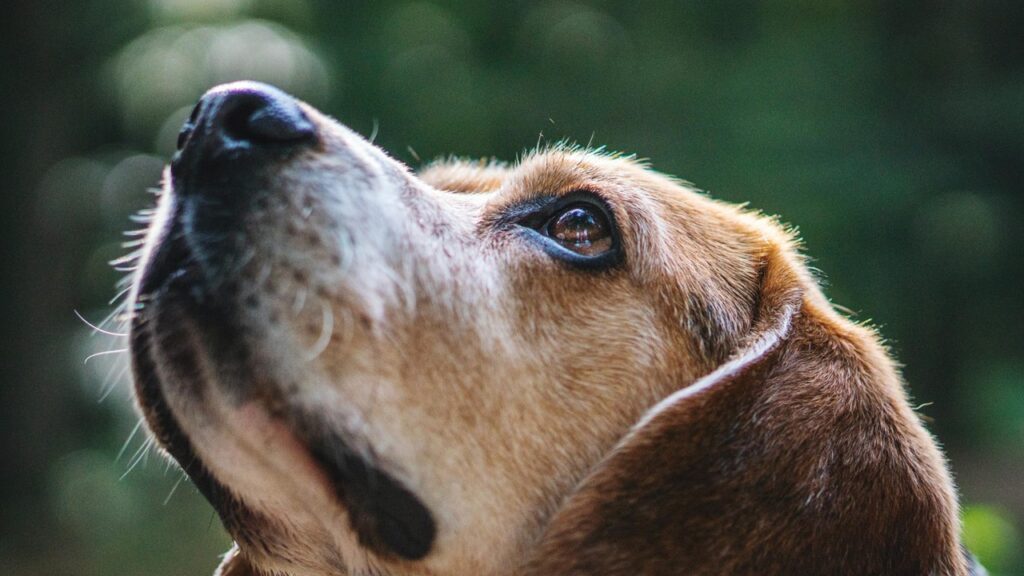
column 890, row 133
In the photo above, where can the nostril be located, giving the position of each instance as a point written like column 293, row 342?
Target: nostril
column 241, row 120
column 183, row 134
column 195, row 112
column 235, row 113
column 189, row 126
column 280, row 124
column 265, row 118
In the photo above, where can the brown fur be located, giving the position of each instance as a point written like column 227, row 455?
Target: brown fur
column 699, row 409
column 807, row 461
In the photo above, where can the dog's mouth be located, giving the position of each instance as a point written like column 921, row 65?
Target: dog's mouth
column 181, row 323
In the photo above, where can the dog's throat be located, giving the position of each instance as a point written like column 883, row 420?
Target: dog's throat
column 387, row 517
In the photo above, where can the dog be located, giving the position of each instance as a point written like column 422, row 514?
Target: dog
column 568, row 365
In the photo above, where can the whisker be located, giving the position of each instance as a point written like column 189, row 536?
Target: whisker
column 111, row 382
column 128, row 258
column 96, row 328
column 135, row 430
column 124, row 291
column 139, row 456
column 103, row 353
column 264, row 273
column 373, row 133
column 174, row 488
column 326, row 331
column 110, row 318
column 300, row 300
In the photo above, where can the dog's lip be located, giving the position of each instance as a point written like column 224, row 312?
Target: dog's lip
column 386, row 516
column 172, row 258
column 341, row 476
column 164, row 424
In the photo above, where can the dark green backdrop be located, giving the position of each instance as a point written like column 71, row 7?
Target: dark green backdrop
column 891, row 133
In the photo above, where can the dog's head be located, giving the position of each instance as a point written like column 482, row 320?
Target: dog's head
column 368, row 370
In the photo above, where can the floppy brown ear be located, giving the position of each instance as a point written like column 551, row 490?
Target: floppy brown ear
column 234, row 564
column 799, row 455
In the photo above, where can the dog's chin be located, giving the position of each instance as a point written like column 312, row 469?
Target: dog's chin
column 268, row 468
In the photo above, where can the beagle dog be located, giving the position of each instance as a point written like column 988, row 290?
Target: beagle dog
column 569, row 365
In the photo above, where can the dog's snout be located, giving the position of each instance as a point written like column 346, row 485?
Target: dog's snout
column 246, row 118
column 261, row 115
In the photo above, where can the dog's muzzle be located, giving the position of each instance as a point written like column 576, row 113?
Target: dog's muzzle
column 230, row 151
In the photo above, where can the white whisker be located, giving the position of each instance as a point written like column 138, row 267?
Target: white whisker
column 103, row 353
column 262, row 277
column 112, row 318
column 115, row 373
column 174, row 488
column 135, row 430
column 117, row 296
column 326, row 331
column 241, row 263
column 96, row 328
column 300, row 300
column 112, row 380
column 139, row 456
column 374, row 132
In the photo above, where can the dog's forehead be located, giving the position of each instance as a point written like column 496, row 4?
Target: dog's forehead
column 466, row 176
column 550, row 172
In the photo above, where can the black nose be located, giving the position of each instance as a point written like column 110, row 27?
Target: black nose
column 245, row 117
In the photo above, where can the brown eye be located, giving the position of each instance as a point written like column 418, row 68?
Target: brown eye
column 578, row 228
column 582, row 228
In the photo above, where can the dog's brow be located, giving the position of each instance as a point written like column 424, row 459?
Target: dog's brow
column 543, row 177
column 465, row 176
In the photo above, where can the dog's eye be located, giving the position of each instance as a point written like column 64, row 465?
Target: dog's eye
column 578, row 228
column 582, row 228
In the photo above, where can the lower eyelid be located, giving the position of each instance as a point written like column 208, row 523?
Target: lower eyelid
column 605, row 259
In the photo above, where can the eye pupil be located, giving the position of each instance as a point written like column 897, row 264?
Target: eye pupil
column 582, row 229
column 575, row 226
